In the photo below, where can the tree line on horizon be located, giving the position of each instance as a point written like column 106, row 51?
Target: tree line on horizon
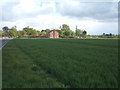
column 64, row 31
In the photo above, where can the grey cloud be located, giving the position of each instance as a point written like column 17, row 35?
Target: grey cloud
column 36, row 13
column 99, row 11
column 105, row 12
column 7, row 11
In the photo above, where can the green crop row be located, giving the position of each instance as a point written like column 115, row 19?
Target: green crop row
column 74, row 63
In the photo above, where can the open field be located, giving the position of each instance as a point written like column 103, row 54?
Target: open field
column 64, row 63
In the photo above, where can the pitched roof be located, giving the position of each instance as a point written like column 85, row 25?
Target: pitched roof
column 53, row 30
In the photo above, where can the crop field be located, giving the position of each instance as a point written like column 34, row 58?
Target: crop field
column 60, row 63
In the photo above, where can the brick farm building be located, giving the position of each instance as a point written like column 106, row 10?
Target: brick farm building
column 50, row 34
column 53, row 34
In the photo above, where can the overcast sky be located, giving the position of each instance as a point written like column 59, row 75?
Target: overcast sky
column 95, row 17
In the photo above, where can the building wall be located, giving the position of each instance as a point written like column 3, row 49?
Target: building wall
column 53, row 34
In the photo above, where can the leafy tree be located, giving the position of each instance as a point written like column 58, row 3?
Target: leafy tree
column 30, row 31
column 110, row 34
column 65, row 30
column 103, row 34
column 43, row 33
column 47, row 30
column 78, row 32
column 65, row 27
column 34, row 32
column 6, row 30
column 61, row 33
column 68, row 33
column 107, row 34
column 20, row 35
column 27, row 30
column 24, row 33
column 84, row 32
column 72, row 33
column 13, row 32
column 60, row 28
column 38, row 32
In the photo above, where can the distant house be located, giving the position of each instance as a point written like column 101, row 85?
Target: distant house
column 50, row 34
column 53, row 34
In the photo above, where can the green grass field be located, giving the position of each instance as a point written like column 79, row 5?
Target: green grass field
column 60, row 63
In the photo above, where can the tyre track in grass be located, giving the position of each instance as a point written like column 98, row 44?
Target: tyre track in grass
column 42, row 67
